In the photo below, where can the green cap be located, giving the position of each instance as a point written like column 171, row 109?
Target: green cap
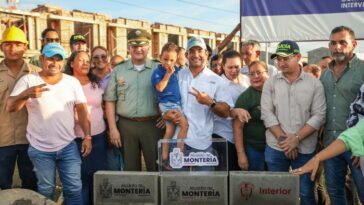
column 138, row 37
column 286, row 48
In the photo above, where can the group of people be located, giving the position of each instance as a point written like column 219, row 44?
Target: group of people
column 81, row 114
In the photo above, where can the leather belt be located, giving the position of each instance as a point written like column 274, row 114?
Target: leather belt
column 142, row 119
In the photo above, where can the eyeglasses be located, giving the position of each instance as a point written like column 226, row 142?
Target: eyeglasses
column 51, row 40
column 258, row 73
column 98, row 57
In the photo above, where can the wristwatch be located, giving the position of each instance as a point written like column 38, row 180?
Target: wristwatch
column 213, row 103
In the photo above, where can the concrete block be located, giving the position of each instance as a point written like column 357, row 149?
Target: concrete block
column 127, row 188
column 194, row 188
column 261, row 188
column 23, row 197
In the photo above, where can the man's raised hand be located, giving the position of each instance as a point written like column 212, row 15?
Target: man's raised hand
column 36, row 91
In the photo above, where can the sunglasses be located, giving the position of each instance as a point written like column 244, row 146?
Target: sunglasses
column 98, row 57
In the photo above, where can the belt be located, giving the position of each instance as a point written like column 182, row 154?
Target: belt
column 141, row 119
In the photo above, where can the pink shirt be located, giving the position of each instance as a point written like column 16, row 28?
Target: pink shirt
column 94, row 105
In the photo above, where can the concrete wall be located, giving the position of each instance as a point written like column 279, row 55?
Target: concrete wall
column 96, row 25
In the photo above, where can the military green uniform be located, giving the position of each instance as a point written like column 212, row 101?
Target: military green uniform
column 136, row 105
column 34, row 60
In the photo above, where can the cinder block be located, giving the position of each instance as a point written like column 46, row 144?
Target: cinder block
column 261, row 188
column 194, row 188
column 127, row 188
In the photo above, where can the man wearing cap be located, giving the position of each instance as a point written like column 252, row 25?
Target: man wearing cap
column 50, row 98
column 13, row 143
column 342, row 81
column 49, row 35
column 78, row 43
column 130, row 94
column 202, row 98
column 292, row 121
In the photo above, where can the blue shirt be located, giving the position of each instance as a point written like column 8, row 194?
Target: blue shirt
column 171, row 91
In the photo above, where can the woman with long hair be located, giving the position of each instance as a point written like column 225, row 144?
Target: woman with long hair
column 78, row 65
column 101, row 67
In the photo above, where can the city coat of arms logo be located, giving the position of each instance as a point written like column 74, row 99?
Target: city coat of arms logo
column 173, row 192
column 246, row 190
column 176, row 158
column 105, row 189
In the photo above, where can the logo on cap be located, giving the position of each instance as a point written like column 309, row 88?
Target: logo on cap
column 286, row 48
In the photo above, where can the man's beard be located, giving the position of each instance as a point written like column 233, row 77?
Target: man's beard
column 338, row 57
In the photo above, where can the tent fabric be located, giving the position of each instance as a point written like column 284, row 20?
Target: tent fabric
column 299, row 20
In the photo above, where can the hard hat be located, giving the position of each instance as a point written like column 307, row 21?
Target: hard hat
column 14, row 34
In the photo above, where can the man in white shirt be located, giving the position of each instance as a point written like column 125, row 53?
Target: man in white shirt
column 50, row 98
column 202, row 97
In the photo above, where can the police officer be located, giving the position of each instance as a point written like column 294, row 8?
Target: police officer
column 130, row 94
column 13, row 143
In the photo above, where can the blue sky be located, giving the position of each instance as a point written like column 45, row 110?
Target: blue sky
column 212, row 15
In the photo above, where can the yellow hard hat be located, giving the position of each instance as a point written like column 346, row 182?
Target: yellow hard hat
column 14, row 34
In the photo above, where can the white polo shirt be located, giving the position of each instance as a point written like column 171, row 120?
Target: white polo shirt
column 200, row 117
column 223, row 126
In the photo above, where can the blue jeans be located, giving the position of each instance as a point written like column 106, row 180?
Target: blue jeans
column 114, row 159
column 167, row 106
column 278, row 162
column 92, row 163
column 255, row 157
column 68, row 163
column 335, row 171
column 8, row 156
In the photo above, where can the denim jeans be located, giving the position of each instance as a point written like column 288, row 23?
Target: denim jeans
column 256, row 158
column 92, row 163
column 8, row 156
column 278, row 162
column 335, row 171
column 114, row 158
column 68, row 163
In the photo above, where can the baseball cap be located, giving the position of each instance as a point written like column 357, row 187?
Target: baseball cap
column 52, row 49
column 286, row 48
column 76, row 38
column 138, row 37
column 196, row 41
